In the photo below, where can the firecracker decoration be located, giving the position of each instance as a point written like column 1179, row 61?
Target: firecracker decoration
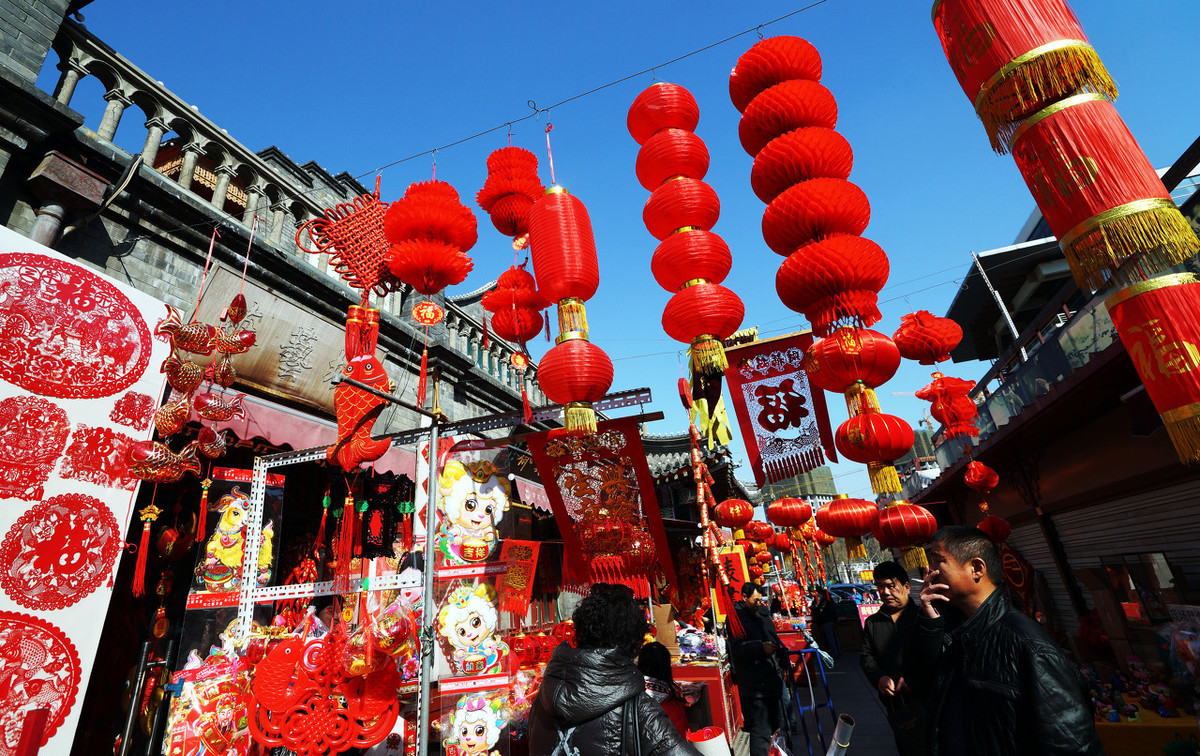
column 511, row 189
column 907, row 527
column 357, row 410
column 849, row 519
column 733, row 515
column 952, row 405
column 516, row 307
column 926, row 338
column 575, row 372
column 691, row 261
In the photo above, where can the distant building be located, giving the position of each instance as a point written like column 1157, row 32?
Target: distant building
column 815, row 486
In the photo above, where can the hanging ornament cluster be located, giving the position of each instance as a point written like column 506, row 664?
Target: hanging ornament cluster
column 907, row 527
column 979, row 477
column 849, row 519
column 510, row 191
column 1043, row 95
column 952, row 405
column 516, row 307
column 814, row 216
column 691, row 261
column 575, row 372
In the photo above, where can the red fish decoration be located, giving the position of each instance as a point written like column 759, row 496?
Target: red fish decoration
column 356, row 409
column 238, row 342
column 170, row 418
column 194, row 337
column 183, row 376
column 214, row 407
column 212, row 443
column 154, row 462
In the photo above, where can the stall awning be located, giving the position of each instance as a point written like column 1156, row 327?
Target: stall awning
column 533, row 494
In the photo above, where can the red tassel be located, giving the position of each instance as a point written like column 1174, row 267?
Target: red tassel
column 201, row 524
column 546, row 315
column 486, row 340
column 139, row 571
column 421, row 380
column 320, row 542
column 730, row 611
column 406, row 532
column 525, row 404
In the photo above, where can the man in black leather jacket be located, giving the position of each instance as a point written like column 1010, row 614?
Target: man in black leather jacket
column 759, row 663
column 593, row 699
column 994, row 680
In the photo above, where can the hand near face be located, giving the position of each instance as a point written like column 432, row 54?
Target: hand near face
column 933, row 592
column 887, row 686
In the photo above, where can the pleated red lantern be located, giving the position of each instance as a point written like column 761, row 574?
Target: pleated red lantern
column 689, row 255
column 952, row 405
column 515, row 305
column 795, row 104
column 996, row 528
column 660, row 106
column 510, row 190
column 903, row 525
column 769, row 62
column 876, row 440
column 668, row 154
column 797, row 156
column 834, row 281
column 1099, row 194
column 681, row 203
column 849, row 519
column 812, row 210
column 1015, row 58
column 926, row 338
column 980, row 477
column 734, row 514
column 849, row 356
column 789, row 512
column 702, row 311
column 430, row 232
column 575, row 373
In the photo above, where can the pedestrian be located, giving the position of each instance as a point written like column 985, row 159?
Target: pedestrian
column 884, row 635
column 824, row 614
column 993, row 680
column 593, row 699
column 759, row 664
column 654, row 662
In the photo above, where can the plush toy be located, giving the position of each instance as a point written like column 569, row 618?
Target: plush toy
column 467, row 624
column 472, row 501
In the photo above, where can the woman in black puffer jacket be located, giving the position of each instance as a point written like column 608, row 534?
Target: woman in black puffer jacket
column 593, row 699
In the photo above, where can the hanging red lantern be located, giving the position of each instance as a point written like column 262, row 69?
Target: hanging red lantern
column 781, row 542
column 980, row 477
column 849, row 356
column 876, row 440
column 769, row 62
column 812, row 210
column 1015, row 58
column 430, row 232
column 511, row 188
column 926, row 338
column 690, row 255
column 734, row 514
column 1099, row 194
column 952, row 405
column 762, row 531
column 996, row 528
column 660, row 106
column 681, row 202
column 668, row 154
column 789, row 512
column 515, row 305
column 849, row 519
column 702, row 312
column 797, row 156
column 834, row 281
column 575, row 373
column 795, row 104
column 903, row 525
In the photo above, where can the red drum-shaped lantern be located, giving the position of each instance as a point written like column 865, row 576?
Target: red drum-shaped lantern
column 926, row 338
column 850, row 519
column 562, row 246
column 734, row 514
column 575, row 373
column 851, row 355
column 780, row 542
column 821, row 538
column 875, row 440
column 671, row 153
column 662, row 106
column 789, row 105
column 701, row 312
column 812, row 210
column 789, row 512
column 980, row 477
column 681, row 203
column 996, row 528
column 769, row 62
column 1099, row 194
column 1014, row 58
column 904, row 525
column 690, row 255
column 762, row 531
column 1159, row 324
column 834, row 281
column 797, row 156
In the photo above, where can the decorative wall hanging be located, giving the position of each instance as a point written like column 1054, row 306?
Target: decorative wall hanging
column 99, row 455
column 352, row 234
column 516, row 586
column 41, row 671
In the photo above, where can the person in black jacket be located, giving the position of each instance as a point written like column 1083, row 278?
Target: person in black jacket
column 884, row 635
column 593, row 699
column 993, row 679
column 759, row 663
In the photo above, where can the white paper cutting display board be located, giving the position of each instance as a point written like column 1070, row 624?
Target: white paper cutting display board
column 79, row 381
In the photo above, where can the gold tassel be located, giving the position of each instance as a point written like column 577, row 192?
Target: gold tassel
column 1128, row 244
column 913, row 558
column 1185, row 436
column 861, row 400
column 572, row 316
column 707, row 356
column 884, row 478
column 855, row 548
column 1036, row 79
column 579, row 417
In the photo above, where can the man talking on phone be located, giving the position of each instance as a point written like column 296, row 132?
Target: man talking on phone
column 993, row 680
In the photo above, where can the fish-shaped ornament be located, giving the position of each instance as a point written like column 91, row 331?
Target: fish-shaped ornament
column 212, row 442
column 183, row 376
column 194, row 337
column 154, row 462
column 213, row 407
column 280, row 680
column 238, row 342
column 223, row 373
column 356, row 409
column 171, row 417
column 236, row 309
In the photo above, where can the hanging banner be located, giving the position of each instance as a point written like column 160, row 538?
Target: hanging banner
column 602, row 494
column 785, row 424
column 516, row 587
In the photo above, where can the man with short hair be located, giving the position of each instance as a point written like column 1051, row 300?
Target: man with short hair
column 884, row 635
column 759, row 663
column 993, row 679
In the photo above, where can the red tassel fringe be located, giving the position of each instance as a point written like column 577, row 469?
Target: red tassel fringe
column 139, row 571
column 725, row 603
column 525, row 405
column 201, row 524
column 547, row 317
column 421, row 380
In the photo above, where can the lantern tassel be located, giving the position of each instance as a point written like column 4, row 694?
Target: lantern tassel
column 708, row 356
column 884, row 478
column 139, row 571
column 579, row 417
column 725, row 604
column 546, row 316
column 1129, row 246
column 421, row 380
column 855, row 548
column 913, row 558
column 325, row 502
column 1185, row 436
column 525, row 406
column 201, row 525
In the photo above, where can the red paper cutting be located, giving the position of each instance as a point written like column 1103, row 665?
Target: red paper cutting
column 134, row 410
column 97, row 455
column 58, row 552
column 39, row 668
column 33, row 432
column 65, row 331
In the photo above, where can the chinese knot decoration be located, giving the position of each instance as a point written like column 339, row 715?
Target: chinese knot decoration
column 849, row 519
column 575, row 372
column 690, row 261
column 511, row 189
column 1043, row 95
column 907, row 527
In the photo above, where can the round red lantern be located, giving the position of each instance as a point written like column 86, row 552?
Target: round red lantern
column 762, row 531
column 734, row 514
column 639, row 553
column 795, row 104
column 781, row 542
column 575, row 373
column 511, row 188
column 660, row 106
column 812, row 210
column 797, row 156
column 688, row 256
column 901, row 524
column 821, row 538
column 681, row 203
column 849, row 519
column 703, row 312
column 834, row 281
column 876, row 440
column 668, row 154
column 996, row 528
column 789, row 512
column 769, row 62
column 980, row 477
column 849, row 356
column 926, row 338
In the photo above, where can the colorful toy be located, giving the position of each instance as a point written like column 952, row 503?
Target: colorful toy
column 476, row 727
column 467, row 624
column 222, row 566
column 472, row 501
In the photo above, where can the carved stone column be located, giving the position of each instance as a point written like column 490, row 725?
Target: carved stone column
column 155, row 128
column 253, row 195
column 224, row 176
column 117, row 102
column 278, row 212
column 191, row 153
column 65, row 89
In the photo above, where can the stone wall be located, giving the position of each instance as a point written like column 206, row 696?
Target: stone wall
column 26, row 30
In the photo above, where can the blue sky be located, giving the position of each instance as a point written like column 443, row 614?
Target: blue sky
column 362, row 85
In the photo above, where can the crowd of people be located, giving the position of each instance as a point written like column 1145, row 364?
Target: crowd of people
column 959, row 670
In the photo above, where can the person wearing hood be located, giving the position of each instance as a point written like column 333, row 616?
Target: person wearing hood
column 593, row 699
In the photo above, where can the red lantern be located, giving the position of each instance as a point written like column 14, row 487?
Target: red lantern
column 789, row 512
column 668, row 154
column 795, row 104
column 812, row 210
column 996, row 528
column 821, row 538
column 662, row 106
column 798, row 156
column 762, row 531
column 563, row 248
column 850, row 356
column 1014, row 58
column 901, row 524
column 575, row 373
column 690, row 255
column 850, row 519
column 876, row 440
column 952, row 406
column 1099, row 194
column 702, row 312
column 511, row 188
column 515, row 305
column 781, row 542
column 834, row 281
column 681, row 203
column 926, row 338
column 769, row 62
column 734, row 514
column 430, row 232
column 980, row 477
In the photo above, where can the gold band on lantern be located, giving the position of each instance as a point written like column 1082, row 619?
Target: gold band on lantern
column 556, row 189
column 571, row 336
column 1113, row 214
column 1162, row 282
column 1186, row 412
column 693, row 282
column 1020, row 60
column 707, row 355
column 1046, row 112
column 685, row 229
column 1129, row 243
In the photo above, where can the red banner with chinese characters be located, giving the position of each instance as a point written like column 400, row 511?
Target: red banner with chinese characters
column 602, row 494
column 785, row 424
column 516, row 587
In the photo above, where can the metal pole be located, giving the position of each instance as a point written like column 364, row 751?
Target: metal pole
column 427, row 597
column 999, row 303
column 135, row 700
